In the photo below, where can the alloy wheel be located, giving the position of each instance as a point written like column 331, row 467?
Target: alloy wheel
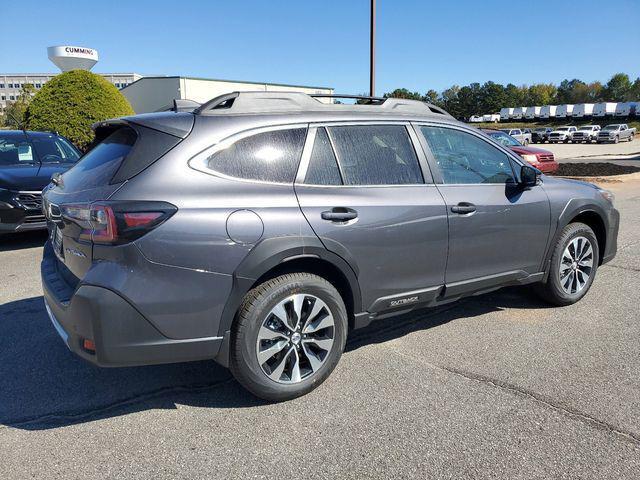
column 295, row 338
column 576, row 265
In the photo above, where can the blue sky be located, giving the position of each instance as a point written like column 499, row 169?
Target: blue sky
column 421, row 44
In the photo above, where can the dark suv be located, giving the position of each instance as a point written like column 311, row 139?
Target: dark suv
column 262, row 227
column 27, row 162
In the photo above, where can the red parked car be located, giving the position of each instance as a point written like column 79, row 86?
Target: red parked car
column 542, row 159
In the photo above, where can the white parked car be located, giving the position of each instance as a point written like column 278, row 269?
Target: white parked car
column 604, row 108
column 586, row 133
column 492, row 117
column 564, row 111
column 518, row 113
column 475, row 119
column 548, row 111
column 562, row 134
column 505, row 113
column 626, row 109
column 583, row 110
column 532, row 112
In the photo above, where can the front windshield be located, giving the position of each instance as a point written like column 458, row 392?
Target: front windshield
column 611, row 127
column 540, row 130
column 504, row 139
column 52, row 149
column 562, row 129
column 15, row 150
column 585, row 128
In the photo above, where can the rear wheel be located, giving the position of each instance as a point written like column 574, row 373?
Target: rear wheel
column 574, row 263
column 288, row 337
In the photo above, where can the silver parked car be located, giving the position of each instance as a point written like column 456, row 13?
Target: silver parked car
column 523, row 136
column 262, row 227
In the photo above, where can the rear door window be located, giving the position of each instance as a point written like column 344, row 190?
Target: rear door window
column 376, row 155
column 323, row 166
column 98, row 166
column 271, row 156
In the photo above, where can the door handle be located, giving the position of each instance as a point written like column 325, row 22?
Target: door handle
column 463, row 207
column 339, row 214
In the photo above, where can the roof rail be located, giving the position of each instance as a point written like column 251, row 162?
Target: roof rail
column 369, row 100
column 274, row 102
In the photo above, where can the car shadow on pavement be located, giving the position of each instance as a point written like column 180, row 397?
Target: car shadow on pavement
column 22, row 240
column 43, row 385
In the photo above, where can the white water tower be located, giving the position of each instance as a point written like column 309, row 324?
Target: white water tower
column 67, row 57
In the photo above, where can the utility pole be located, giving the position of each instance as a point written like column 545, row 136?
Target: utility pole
column 372, row 51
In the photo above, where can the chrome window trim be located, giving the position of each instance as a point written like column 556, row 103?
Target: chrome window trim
column 200, row 162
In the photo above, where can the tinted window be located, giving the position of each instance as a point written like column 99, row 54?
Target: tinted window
column 376, row 155
column 323, row 168
column 99, row 165
column 465, row 158
column 270, row 156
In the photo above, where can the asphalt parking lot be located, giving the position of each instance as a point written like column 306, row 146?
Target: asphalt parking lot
column 625, row 153
column 497, row 386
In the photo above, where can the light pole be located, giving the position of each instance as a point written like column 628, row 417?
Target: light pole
column 372, row 51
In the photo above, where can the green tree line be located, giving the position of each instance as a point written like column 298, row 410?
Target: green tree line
column 490, row 97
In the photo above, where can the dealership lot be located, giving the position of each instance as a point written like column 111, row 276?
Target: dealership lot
column 498, row 386
column 622, row 153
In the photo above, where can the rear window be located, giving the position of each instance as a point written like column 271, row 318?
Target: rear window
column 99, row 165
column 271, row 156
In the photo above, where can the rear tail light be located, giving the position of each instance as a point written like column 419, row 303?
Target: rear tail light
column 115, row 223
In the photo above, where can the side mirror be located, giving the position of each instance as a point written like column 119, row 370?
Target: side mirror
column 529, row 176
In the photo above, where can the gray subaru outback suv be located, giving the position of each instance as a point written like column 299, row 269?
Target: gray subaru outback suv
column 258, row 229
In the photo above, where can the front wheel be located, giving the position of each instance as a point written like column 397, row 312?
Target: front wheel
column 574, row 262
column 288, row 337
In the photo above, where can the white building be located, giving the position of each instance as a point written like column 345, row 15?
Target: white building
column 11, row 83
column 150, row 94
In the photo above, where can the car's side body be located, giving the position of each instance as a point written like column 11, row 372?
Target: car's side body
column 173, row 294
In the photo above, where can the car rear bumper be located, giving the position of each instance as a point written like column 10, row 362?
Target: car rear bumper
column 121, row 334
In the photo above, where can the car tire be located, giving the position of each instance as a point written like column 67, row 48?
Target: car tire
column 275, row 377
column 526, row 142
column 560, row 288
column 616, row 139
column 631, row 138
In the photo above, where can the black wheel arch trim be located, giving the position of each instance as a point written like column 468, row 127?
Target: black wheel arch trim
column 572, row 209
column 273, row 252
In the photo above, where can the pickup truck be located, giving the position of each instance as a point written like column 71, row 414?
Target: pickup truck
column 615, row 133
column 586, row 133
column 541, row 134
column 562, row 134
column 519, row 134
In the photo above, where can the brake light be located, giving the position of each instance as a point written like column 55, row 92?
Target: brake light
column 115, row 223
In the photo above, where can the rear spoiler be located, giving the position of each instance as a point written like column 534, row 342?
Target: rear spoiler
column 179, row 124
